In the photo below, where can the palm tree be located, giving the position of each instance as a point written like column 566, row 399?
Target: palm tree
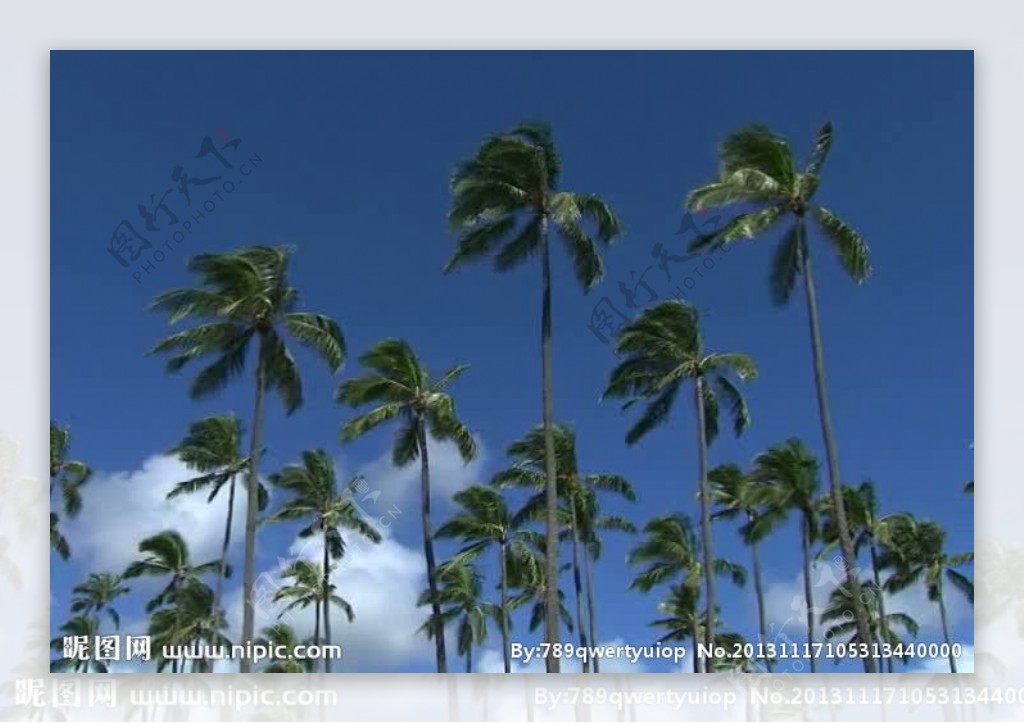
column 918, row 551
column 840, row 622
column 758, row 168
column 279, row 636
column 580, row 510
column 482, row 521
column 591, row 522
column 188, row 619
column 315, row 497
column 97, row 594
column 505, row 202
column 684, row 619
column 460, row 592
column 71, row 475
column 867, row 529
column 307, row 589
column 663, row 350
column 168, row 556
column 401, row 386
column 528, row 574
column 244, row 295
column 737, row 493
column 670, row 550
column 80, row 626
column 213, row 447
column 791, row 472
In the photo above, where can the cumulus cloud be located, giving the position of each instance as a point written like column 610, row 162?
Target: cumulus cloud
column 448, row 473
column 381, row 581
column 125, row 507
column 786, row 608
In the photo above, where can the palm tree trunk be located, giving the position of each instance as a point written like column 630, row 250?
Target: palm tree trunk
column 428, row 548
column 695, row 632
column 327, row 602
column 705, row 512
column 506, row 652
column 578, row 585
column 551, row 606
column 945, row 627
column 831, row 453
column 805, row 545
column 883, row 625
column 224, row 548
column 251, row 507
column 588, row 576
column 316, row 626
column 469, row 658
column 762, row 621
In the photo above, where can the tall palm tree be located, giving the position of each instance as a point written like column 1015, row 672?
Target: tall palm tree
column 663, row 350
column 506, row 201
column 840, row 622
column 591, row 523
column 671, row 551
column 307, row 587
column 918, row 551
column 245, row 295
column 167, row 556
column 400, row 386
column 70, row 475
column 579, row 509
column 737, row 493
column 791, row 472
column 482, row 521
column 867, row 529
column 460, row 593
column 279, row 636
column 213, row 447
column 97, row 594
column 758, row 168
column 316, row 497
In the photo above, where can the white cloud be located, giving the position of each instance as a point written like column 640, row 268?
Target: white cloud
column 381, row 581
column 785, row 605
column 125, row 507
column 448, row 473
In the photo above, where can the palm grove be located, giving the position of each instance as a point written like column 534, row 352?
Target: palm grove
column 508, row 207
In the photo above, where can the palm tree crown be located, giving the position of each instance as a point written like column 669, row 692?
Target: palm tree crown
column 662, row 350
column 759, row 168
column 97, row 594
column 168, row 556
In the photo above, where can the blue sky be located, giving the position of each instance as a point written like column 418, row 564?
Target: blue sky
column 354, row 153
